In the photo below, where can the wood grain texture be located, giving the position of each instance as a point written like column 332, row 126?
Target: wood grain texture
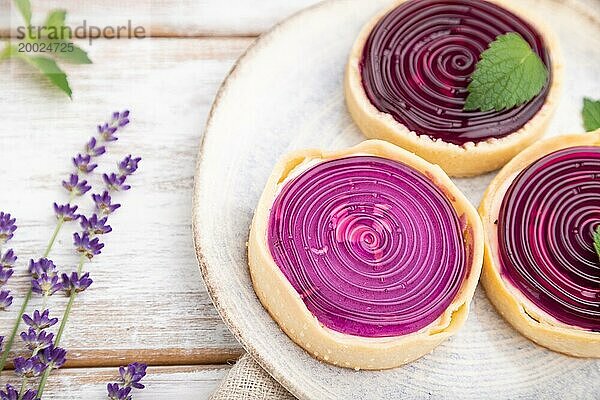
column 486, row 359
column 164, row 17
column 147, row 302
column 178, row 383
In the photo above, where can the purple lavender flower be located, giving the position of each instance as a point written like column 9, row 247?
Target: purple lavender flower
column 5, row 274
column 36, row 341
column 119, row 120
column 8, row 260
column 103, row 203
column 5, row 299
column 128, row 165
column 10, row 393
column 95, row 226
column 115, row 392
column 7, row 227
column 86, row 246
column 46, row 285
column 1, row 343
column 107, row 132
column 29, row 368
column 115, row 182
column 76, row 186
column 133, row 374
column 92, row 150
column 40, row 321
column 42, row 266
column 75, row 283
column 66, row 212
column 83, row 163
column 53, row 357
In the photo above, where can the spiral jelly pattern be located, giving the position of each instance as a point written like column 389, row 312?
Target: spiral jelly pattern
column 417, row 61
column 372, row 246
column 545, row 228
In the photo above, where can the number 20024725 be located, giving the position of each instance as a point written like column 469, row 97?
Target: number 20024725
column 50, row 47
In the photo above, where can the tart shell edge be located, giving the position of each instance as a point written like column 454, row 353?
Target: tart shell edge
column 521, row 313
column 466, row 160
column 291, row 314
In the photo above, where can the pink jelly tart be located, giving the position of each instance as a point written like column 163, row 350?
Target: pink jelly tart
column 541, row 270
column 407, row 77
column 366, row 257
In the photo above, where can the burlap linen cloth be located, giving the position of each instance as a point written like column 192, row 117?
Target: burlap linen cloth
column 248, row 381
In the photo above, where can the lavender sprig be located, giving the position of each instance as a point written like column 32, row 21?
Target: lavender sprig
column 46, row 285
column 75, row 186
column 115, row 183
column 41, row 267
column 7, row 227
column 75, row 283
column 64, row 213
column 95, row 225
column 5, row 274
column 88, row 245
column 116, row 392
column 37, row 341
column 131, row 375
column 10, row 393
column 5, row 299
column 29, row 368
column 83, row 163
column 8, row 260
column 53, row 357
column 92, row 149
column 104, row 203
column 128, row 165
column 108, row 130
column 40, row 321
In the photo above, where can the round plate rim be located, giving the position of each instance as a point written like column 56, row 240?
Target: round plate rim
column 213, row 291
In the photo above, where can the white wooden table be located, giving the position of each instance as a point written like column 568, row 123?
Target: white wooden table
column 148, row 302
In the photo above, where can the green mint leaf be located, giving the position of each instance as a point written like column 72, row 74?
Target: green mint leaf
column 508, row 74
column 597, row 241
column 8, row 52
column 67, row 51
column 56, row 21
column 591, row 114
column 76, row 56
column 24, row 7
column 51, row 70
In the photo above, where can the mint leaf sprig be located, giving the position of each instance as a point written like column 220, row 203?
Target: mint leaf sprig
column 44, row 64
column 509, row 73
column 591, row 114
column 596, row 236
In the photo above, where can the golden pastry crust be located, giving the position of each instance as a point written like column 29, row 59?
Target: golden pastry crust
column 471, row 158
column 521, row 313
column 287, row 308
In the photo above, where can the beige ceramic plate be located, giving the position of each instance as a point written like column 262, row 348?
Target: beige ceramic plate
column 286, row 93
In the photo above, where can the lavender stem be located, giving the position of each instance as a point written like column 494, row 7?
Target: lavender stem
column 61, row 329
column 15, row 330
column 23, row 387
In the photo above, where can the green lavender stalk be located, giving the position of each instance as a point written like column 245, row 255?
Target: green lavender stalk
column 15, row 329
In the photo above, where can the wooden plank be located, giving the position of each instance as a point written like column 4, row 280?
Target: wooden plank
column 148, row 302
column 165, row 383
column 165, row 17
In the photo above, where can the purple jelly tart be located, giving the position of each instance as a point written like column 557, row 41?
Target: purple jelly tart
column 542, row 269
column 366, row 257
column 408, row 73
